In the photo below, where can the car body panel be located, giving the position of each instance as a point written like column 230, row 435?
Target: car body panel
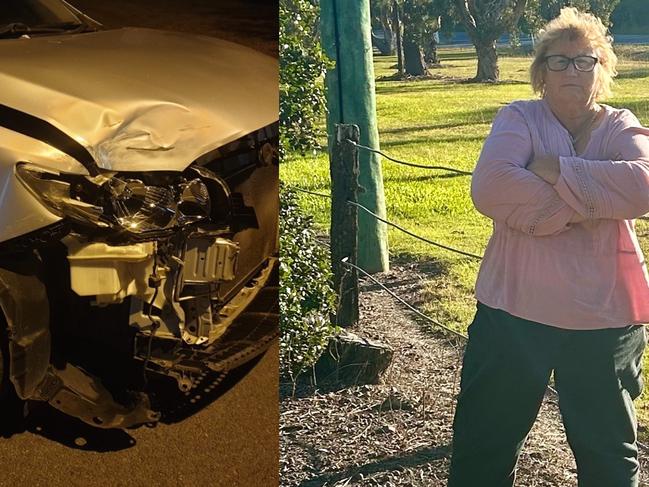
column 27, row 213
column 70, row 81
column 23, row 300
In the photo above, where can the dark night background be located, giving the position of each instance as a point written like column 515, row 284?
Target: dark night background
column 253, row 23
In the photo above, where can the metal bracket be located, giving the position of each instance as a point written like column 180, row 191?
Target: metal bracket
column 78, row 393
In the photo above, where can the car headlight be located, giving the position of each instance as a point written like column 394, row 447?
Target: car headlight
column 117, row 201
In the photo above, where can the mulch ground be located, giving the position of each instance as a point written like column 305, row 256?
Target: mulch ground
column 398, row 432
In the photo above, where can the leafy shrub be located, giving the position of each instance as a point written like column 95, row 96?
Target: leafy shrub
column 306, row 299
column 302, row 67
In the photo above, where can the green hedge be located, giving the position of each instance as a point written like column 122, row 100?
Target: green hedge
column 306, row 297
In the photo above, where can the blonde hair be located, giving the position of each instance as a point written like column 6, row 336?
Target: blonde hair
column 572, row 25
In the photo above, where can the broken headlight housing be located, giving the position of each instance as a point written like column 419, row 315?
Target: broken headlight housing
column 117, row 201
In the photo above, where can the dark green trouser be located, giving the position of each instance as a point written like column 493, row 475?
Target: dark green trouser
column 507, row 366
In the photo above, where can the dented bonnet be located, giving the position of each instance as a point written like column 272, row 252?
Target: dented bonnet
column 140, row 99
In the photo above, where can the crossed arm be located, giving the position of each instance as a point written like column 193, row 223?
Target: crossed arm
column 550, row 193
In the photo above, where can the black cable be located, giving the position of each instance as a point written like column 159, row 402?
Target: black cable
column 451, row 249
column 408, row 232
column 310, row 192
column 411, row 164
column 403, row 301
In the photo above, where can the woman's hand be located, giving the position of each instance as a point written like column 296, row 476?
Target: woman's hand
column 546, row 167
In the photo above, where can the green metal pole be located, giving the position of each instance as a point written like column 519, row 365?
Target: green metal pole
column 346, row 40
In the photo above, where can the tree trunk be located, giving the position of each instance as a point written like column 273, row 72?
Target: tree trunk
column 491, row 20
column 413, row 58
column 396, row 24
column 430, row 53
column 387, row 48
column 487, row 61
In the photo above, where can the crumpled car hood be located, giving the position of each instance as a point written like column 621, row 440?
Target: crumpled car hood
column 140, row 99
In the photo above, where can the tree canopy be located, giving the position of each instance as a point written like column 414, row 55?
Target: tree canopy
column 631, row 17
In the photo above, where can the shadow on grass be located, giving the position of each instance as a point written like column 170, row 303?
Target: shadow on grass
column 500, row 82
column 409, row 460
column 640, row 55
column 422, row 83
column 465, row 119
column 412, row 87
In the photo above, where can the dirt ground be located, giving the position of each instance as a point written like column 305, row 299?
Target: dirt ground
column 253, row 23
column 398, row 432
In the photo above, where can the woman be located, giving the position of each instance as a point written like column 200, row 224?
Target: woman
column 563, row 287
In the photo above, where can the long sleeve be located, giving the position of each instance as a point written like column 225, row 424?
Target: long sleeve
column 502, row 189
column 617, row 188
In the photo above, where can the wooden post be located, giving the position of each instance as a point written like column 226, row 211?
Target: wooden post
column 351, row 99
column 344, row 222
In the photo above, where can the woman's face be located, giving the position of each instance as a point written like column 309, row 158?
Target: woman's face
column 570, row 86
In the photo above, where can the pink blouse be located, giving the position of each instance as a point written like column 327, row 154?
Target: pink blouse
column 564, row 255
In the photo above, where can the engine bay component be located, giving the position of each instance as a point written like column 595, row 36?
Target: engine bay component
column 208, row 261
column 110, row 272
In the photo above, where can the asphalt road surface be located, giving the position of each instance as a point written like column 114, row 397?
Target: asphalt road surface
column 228, row 437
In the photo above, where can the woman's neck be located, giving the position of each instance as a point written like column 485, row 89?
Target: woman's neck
column 574, row 116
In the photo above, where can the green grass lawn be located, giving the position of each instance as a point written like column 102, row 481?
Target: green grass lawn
column 444, row 121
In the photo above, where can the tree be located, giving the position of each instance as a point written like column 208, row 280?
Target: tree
column 382, row 18
column 414, row 20
column 600, row 8
column 485, row 21
column 431, row 41
column 302, row 67
column 538, row 12
column 420, row 20
column 389, row 14
column 396, row 22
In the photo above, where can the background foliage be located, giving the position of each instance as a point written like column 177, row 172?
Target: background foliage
column 306, row 298
column 302, row 66
column 631, row 17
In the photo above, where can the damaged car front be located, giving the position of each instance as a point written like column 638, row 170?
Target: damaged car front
column 138, row 210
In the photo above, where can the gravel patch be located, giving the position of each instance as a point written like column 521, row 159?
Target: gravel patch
column 398, row 432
